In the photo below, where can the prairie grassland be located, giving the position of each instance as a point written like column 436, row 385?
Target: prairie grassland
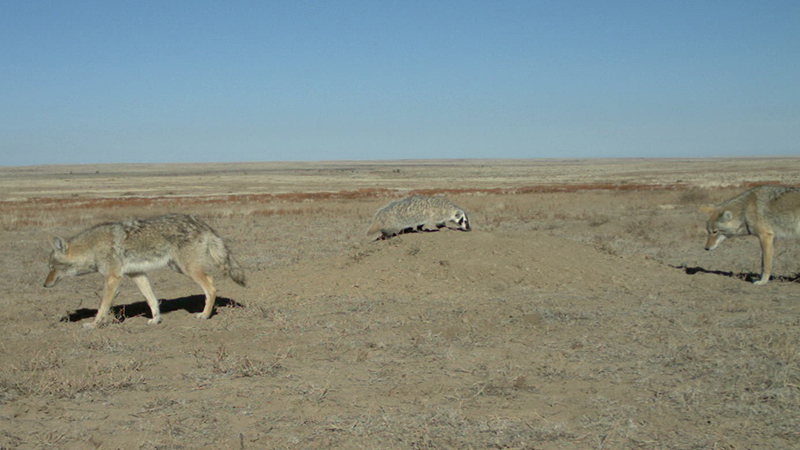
column 581, row 312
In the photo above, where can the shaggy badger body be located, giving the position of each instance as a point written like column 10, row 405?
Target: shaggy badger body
column 417, row 213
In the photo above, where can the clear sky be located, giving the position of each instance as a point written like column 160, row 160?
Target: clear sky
column 198, row 81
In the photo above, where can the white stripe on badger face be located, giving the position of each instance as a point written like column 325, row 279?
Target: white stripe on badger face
column 462, row 221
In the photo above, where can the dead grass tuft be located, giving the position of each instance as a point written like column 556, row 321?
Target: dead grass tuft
column 222, row 364
column 46, row 375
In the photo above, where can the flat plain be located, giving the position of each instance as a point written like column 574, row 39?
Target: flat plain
column 581, row 312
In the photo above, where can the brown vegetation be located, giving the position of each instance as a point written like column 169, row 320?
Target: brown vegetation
column 575, row 315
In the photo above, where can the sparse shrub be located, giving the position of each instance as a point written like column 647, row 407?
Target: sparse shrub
column 605, row 244
column 223, row 364
column 694, row 197
column 599, row 220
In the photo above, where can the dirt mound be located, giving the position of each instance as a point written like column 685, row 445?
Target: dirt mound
column 450, row 263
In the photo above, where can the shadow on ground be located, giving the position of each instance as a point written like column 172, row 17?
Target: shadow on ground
column 192, row 304
column 746, row 276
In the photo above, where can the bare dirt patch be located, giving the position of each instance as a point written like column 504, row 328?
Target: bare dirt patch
column 581, row 312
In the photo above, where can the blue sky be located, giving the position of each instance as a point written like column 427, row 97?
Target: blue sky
column 153, row 81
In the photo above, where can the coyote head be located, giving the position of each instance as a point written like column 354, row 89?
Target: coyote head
column 63, row 263
column 721, row 224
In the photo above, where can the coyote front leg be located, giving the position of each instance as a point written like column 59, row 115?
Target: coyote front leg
column 766, row 238
column 110, row 291
column 144, row 287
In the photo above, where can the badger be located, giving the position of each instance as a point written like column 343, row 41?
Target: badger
column 417, row 213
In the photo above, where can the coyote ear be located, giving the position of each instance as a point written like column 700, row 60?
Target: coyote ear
column 726, row 216
column 59, row 244
column 707, row 210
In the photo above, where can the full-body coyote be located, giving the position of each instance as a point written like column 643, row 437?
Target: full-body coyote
column 178, row 241
column 765, row 211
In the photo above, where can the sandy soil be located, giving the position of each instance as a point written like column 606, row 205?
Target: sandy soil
column 581, row 312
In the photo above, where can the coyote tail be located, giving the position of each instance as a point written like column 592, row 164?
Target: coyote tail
column 234, row 270
column 222, row 258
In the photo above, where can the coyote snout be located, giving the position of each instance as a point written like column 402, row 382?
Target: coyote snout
column 179, row 241
column 52, row 278
column 714, row 239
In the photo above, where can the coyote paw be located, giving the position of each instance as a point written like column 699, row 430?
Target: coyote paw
column 761, row 282
column 154, row 321
column 89, row 326
column 202, row 316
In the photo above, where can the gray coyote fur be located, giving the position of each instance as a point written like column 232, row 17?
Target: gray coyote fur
column 768, row 212
column 181, row 242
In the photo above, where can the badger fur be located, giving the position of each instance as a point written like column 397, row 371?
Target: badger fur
column 417, row 213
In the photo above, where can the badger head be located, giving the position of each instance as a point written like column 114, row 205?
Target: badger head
column 460, row 218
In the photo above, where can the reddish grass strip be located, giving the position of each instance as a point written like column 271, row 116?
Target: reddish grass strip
column 64, row 203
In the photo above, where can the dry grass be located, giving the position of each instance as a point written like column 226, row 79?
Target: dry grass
column 41, row 212
column 46, row 375
column 567, row 319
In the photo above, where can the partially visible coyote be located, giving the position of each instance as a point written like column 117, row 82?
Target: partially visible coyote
column 178, row 241
column 765, row 211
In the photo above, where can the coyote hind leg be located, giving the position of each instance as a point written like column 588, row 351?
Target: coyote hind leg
column 207, row 283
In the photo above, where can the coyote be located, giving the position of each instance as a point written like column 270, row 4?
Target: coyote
column 179, row 241
column 765, row 211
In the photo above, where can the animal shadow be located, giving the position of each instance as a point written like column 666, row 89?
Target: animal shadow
column 746, row 276
column 192, row 304
column 418, row 229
